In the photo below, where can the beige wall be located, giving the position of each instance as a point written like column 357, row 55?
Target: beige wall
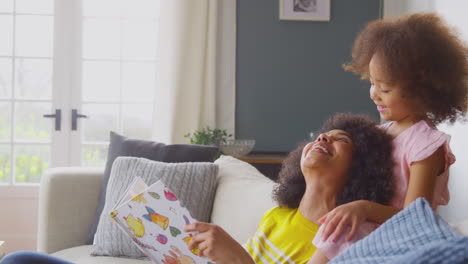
column 18, row 217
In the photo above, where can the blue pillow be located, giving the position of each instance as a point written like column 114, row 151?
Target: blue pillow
column 414, row 235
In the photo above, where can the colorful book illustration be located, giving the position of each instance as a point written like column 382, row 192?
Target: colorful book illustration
column 154, row 219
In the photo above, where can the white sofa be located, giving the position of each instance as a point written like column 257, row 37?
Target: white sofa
column 69, row 196
column 68, row 201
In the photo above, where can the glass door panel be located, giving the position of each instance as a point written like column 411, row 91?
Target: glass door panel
column 6, row 33
column 101, row 38
column 95, row 56
column 104, row 118
column 94, row 155
column 6, row 6
column 101, row 8
column 118, row 65
column 30, row 161
column 101, row 81
column 5, row 163
column 33, row 78
column 35, row 6
column 138, row 39
column 30, row 125
column 5, row 77
column 137, row 120
column 34, row 35
column 26, row 55
column 138, row 82
column 5, row 121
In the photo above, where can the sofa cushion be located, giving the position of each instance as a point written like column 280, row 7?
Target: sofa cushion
column 194, row 183
column 123, row 146
column 461, row 227
column 82, row 255
column 242, row 196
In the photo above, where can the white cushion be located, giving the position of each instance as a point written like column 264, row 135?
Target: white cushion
column 82, row 255
column 461, row 227
column 242, row 196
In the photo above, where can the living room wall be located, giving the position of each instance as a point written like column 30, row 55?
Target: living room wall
column 288, row 73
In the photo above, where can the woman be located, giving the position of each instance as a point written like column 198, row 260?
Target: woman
column 350, row 160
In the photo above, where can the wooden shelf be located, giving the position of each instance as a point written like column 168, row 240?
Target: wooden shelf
column 264, row 158
column 267, row 163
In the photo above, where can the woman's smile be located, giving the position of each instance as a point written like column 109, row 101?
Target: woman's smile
column 321, row 148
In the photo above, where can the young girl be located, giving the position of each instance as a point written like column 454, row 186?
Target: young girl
column 418, row 70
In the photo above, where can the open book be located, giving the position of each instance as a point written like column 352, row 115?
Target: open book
column 154, row 219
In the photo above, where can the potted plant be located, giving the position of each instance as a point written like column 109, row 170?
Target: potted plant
column 208, row 136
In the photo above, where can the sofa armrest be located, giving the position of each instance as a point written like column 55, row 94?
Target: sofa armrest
column 68, row 199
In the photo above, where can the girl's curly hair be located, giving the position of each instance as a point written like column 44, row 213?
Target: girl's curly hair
column 424, row 56
column 370, row 177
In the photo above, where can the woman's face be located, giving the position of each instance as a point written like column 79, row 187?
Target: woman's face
column 332, row 151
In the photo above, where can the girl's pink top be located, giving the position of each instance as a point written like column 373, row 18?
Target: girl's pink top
column 332, row 249
column 415, row 144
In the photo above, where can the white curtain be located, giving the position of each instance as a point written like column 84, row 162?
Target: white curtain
column 196, row 73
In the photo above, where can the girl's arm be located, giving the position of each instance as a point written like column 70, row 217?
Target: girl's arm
column 423, row 175
column 318, row 258
column 354, row 214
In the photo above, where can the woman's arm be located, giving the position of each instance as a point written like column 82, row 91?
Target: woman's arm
column 216, row 244
column 318, row 258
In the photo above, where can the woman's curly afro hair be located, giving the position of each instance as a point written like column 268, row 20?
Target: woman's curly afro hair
column 370, row 177
column 423, row 55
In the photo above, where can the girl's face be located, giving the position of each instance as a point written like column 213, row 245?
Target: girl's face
column 387, row 95
column 332, row 150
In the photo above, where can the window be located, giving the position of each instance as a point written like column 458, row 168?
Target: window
column 96, row 56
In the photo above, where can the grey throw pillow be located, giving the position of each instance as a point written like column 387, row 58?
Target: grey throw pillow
column 123, row 146
column 194, row 183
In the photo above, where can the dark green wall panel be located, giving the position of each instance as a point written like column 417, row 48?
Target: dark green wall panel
column 288, row 73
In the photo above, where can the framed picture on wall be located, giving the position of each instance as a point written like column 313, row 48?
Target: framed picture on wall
column 312, row 10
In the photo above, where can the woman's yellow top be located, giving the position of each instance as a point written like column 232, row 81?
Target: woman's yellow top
column 284, row 236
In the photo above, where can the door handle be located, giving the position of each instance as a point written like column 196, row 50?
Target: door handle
column 58, row 118
column 75, row 117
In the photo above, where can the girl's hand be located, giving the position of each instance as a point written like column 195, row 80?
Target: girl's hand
column 216, row 244
column 352, row 215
